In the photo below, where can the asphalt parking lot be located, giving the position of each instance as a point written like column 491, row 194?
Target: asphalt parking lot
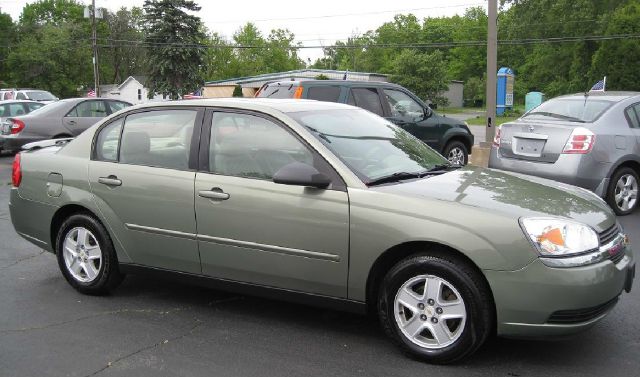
column 159, row 328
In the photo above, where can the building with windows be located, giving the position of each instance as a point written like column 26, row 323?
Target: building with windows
column 131, row 90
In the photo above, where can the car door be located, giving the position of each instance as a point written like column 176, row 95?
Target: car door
column 253, row 230
column 410, row 115
column 142, row 178
column 633, row 119
column 84, row 115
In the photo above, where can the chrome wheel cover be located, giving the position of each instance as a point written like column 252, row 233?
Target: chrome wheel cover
column 82, row 254
column 430, row 312
column 456, row 156
column 626, row 192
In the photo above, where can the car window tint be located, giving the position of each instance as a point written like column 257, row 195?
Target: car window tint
column 117, row 106
column 107, row 143
column 368, row 99
column 278, row 90
column 20, row 95
column 15, row 109
column 34, row 105
column 253, row 147
column 324, row 93
column 633, row 115
column 89, row 109
column 158, row 138
column 403, row 106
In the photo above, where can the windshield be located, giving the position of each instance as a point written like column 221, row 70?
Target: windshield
column 572, row 109
column 41, row 95
column 371, row 146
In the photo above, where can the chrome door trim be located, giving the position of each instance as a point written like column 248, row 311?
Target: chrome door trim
column 164, row 232
column 270, row 248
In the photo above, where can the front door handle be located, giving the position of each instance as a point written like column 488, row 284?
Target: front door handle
column 71, row 122
column 111, row 180
column 215, row 193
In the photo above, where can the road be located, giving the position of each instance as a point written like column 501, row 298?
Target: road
column 157, row 328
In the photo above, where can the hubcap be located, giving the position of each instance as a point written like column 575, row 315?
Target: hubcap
column 626, row 192
column 82, row 254
column 430, row 312
column 456, row 156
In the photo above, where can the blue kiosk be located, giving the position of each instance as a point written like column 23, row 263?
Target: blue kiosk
column 504, row 95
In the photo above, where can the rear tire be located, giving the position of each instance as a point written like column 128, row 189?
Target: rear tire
column 447, row 327
column 86, row 256
column 456, row 153
column 622, row 194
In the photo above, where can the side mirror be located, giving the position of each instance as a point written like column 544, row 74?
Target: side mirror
column 299, row 174
column 427, row 112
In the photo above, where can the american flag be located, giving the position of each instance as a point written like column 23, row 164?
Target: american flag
column 91, row 93
column 599, row 86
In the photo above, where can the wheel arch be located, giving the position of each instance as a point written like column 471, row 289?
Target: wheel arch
column 393, row 255
column 464, row 139
column 62, row 214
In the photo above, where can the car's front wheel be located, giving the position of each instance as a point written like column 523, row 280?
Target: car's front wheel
column 456, row 153
column 435, row 308
column 622, row 195
column 86, row 255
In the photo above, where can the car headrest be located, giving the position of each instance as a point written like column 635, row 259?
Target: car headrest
column 135, row 143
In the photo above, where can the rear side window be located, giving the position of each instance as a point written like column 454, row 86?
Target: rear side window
column 107, row 142
column 278, row 91
column 324, row 93
column 633, row 115
column 368, row 99
column 158, row 138
column 21, row 96
column 34, row 105
column 117, row 106
column 89, row 109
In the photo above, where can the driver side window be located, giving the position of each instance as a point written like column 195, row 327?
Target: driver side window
column 403, row 106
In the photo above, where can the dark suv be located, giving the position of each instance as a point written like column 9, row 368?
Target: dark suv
column 450, row 137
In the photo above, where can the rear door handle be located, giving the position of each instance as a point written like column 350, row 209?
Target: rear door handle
column 111, row 180
column 71, row 122
column 215, row 193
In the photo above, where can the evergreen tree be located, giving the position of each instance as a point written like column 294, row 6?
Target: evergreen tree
column 173, row 38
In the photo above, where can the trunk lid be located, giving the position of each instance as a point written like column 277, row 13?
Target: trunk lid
column 535, row 139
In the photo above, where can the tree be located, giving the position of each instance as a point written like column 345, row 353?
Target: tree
column 423, row 73
column 7, row 37
column 237, row 91
column 175, row 54
column 123, row 57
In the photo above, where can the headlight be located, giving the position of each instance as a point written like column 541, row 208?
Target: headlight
column 555, row 237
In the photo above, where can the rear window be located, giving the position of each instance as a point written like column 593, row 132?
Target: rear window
column 278, row 91
column 324, row 93
column 366, row 98
column 572, row 109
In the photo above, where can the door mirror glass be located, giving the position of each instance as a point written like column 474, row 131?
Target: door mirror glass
column 300, row 174
column 427, row 112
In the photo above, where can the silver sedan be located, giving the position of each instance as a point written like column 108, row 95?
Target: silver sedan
column 591, row 140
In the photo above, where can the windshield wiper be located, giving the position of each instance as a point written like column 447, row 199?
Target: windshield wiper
column 395, row 177
column 558, row 116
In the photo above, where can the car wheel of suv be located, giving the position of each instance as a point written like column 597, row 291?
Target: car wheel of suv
column 437, row 310
column 622, row 194
column 86, row 255
column 456, row 153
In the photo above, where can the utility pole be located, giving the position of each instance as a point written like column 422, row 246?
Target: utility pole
column 492, row 69
column 96, row 71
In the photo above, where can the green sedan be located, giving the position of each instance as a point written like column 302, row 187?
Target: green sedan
column 323, row 204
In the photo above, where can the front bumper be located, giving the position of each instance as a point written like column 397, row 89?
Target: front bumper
column 574, row 169
column 538, row 301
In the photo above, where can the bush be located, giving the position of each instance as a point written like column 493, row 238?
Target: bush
column 237, row 91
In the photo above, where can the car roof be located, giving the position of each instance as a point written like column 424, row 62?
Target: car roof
column 614, row 96
column 336, row 82
column 258, row 104
column 17, row 101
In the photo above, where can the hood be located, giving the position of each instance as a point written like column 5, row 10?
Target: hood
column 511, row 194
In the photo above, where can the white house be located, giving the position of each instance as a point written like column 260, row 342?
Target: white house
column 131, row 90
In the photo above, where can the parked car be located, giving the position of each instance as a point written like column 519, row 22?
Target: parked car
column 324, row 204
column 11, row 108
column 64, row 118
column 591, row 140
column 448, row 136
column 27, row 94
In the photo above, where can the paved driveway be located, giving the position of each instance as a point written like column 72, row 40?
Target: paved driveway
column 157, row 328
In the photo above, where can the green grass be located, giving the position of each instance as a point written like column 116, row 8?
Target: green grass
column 482, row 121
column 458, row 110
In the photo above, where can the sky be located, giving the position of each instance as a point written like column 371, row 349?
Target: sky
column 313, row 23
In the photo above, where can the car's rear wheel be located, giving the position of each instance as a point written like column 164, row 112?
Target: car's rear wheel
column 436, row 309
column 86, row 255
column 622, row 194
column 456, row 153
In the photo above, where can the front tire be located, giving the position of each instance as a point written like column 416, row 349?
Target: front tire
column 86, row 256
column 456, row 153
column 622, row 194
column 436, row 309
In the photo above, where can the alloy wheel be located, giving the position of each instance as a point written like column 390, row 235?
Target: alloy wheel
column 82, row 254
column 626, row 192
column 430, row 311
column 456, row 156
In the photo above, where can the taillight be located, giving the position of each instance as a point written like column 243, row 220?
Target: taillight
column 496, row 138
column 298, row 92
column 16, row 171
column 16, row 126
column 580, row 142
